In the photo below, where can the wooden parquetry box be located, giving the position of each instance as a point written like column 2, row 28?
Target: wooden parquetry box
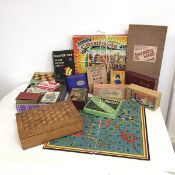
column 49, row 122
column 144, row 96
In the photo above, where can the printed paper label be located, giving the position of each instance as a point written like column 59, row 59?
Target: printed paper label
column 145, row 53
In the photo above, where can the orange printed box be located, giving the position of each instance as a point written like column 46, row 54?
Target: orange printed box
column 144, row 96
column 99, row 49
column 112, row 91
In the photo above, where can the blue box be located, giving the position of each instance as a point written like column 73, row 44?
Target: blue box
column 77, row 81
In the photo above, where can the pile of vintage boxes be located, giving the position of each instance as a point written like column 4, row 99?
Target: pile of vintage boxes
column 100, row 70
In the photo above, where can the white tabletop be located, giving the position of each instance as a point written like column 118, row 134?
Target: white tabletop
column 14, row 160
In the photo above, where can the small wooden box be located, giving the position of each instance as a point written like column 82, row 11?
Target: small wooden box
column 144, row 96
column 49, row 122
column 112, row 91
column 79, row 97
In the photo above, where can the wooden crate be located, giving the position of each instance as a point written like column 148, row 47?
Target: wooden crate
column 49, row 122
column 144, row 96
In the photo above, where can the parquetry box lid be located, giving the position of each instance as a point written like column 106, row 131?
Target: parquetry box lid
column 47, row 118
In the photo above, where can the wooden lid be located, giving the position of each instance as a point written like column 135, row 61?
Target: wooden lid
column 47, row 118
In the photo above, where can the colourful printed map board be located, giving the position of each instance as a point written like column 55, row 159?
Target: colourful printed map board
column 125, row 136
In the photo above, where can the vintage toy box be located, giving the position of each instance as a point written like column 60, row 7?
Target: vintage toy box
column 79, row 97
column 77, row 81
column 96, row 75
column 61, row 91
column 97, row 49
column 103, row 107
column 28, row 98
column 64, row 66
column 46, row 123
column 145, row 49
column 112, row 91
column 144, row 96
column 141, row 80
column 117, row 77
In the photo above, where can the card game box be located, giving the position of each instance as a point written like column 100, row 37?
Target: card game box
column 103, row 107
column 147, row 97
column 117, row 77
column 48, row 85
column 77, row 81
column 50, row 97
column 141, row 80
column 28, row 98
column 20, row 107
column 79, row 97
column 64, row 66
column 145, row 49
column 112, row 91
column 40, row 125
column 98, row 49
column 96, row 75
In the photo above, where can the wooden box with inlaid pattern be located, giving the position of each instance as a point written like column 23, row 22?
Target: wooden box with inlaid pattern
column 49, row 122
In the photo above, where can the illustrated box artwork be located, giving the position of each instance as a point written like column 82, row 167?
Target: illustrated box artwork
column 117, row 77
column 124, row 136
column 98, row 49
column 63, row 62
column 144, row 96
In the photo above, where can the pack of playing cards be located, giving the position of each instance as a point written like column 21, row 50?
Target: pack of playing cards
column 49, row 85
column 50, row 97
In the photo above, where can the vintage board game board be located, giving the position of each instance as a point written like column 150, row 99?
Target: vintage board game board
column 125, row 136
column 38, row 77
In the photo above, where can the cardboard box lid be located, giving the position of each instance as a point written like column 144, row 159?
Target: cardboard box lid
column 47, row 118
column 145, row 42
column 28, row 96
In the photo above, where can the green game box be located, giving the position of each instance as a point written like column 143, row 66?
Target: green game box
column 103, row 107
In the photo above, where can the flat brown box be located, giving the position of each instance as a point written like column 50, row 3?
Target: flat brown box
column 46, row 123
column 144, row 96
column 141, row 80
column 145, row 49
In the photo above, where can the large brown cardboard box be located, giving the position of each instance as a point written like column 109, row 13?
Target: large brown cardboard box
column 145, row 49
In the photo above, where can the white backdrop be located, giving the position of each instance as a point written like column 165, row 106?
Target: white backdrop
column 31, row 29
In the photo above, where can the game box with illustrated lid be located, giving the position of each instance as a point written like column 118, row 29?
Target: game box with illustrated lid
column 98, row 49
column 64, row 66
column 34, row 88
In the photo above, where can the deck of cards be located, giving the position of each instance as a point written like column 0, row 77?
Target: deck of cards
column 50, row 97
column 49, row 85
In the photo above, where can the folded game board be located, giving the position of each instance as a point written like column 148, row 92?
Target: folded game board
column 124, row 136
